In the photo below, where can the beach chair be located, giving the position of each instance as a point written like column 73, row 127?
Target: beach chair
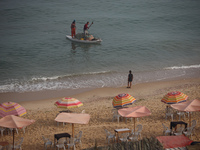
column 47, row 142
column 115, row 115
column 193, row 124
column 61, row 143
column 18, row 144
column 169, row 113
column 78, row 138
column 179, row 130
column 188, row 131
column 133, row 137
column 138, row 130
column 2, row 130
column 71, row 143
column 166, row 130
column 124, row 137
column 11, row 130
column 181, row 114
column 109, row 136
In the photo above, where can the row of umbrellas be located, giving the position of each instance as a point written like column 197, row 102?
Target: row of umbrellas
column 177, row 99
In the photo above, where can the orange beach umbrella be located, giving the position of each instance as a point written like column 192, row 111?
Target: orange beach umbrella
column 122, row 100
column 174, row 97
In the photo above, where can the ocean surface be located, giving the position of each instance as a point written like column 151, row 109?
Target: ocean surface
column 157, row 40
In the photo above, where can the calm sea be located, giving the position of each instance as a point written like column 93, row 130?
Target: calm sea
column 157, row 40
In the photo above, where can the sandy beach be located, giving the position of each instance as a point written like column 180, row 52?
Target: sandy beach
column 98, row 103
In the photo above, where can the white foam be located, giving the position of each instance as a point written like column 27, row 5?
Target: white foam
column 183, row 67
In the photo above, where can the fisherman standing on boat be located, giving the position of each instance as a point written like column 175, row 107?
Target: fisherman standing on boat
column 85, row 29
column 73, row 29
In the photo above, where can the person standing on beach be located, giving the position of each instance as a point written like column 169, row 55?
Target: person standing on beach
column 130, row 79
column 73, row 29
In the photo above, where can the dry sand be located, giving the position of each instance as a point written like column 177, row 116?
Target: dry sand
column 98, row 103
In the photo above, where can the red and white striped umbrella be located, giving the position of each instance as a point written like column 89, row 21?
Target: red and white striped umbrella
column 68, row 102
column 11, row 108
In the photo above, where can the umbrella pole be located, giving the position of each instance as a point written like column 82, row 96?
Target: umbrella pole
column 72, row 130
column 13, row 139
column 189, row 119
column 134, row 125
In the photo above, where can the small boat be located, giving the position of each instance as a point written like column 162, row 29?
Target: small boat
column 82, row 40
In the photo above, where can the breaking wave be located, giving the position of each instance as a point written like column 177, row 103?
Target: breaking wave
column 183, row 67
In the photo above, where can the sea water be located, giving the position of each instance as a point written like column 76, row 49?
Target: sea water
column 157, row 40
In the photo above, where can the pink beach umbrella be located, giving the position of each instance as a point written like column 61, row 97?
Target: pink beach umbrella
column 174, row 97
column 11, row 108
column 12, row 121
column 134, row 112
column 189, row 106
column 68, row 102
column 73, row 118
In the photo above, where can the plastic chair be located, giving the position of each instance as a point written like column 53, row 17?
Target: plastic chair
column 138, row 130
column 193, row 123
column 133, row 137
column 47, row 142
column 179, row 131
column 78, row 138
column 71, row 143
column 166, row 130
column 83, row 112
column 61, row 143
column 2, row 129
column 188, row 131
column 124, row 137
column 109, row 136
column 11, row 129
column 181, row 114
column 169, row 112
column 18, row 144
column 115, row 115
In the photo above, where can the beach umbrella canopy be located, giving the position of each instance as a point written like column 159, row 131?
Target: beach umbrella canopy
column 174, row 97
column 12, row 121
column 73, row 118
column 134, row 112
column 188, row 106
column 122, row 100
column 11, row 108
column 68, row 102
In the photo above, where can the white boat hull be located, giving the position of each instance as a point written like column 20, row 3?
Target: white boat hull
column 82, row 41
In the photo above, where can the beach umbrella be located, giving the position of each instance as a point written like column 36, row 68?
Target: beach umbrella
column 188, row 106
column 12, row 121
column 122, row 100
column 174, row 97
column 68, row 102
column 134, row 112
column 73, row 118
column 11, row 108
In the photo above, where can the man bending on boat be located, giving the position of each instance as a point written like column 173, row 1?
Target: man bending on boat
column 73, row 29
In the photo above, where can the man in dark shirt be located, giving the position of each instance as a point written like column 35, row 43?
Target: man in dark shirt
column 130, row 79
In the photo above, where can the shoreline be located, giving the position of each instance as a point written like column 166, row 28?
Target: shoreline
column 56, row 94
column 30, row 99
